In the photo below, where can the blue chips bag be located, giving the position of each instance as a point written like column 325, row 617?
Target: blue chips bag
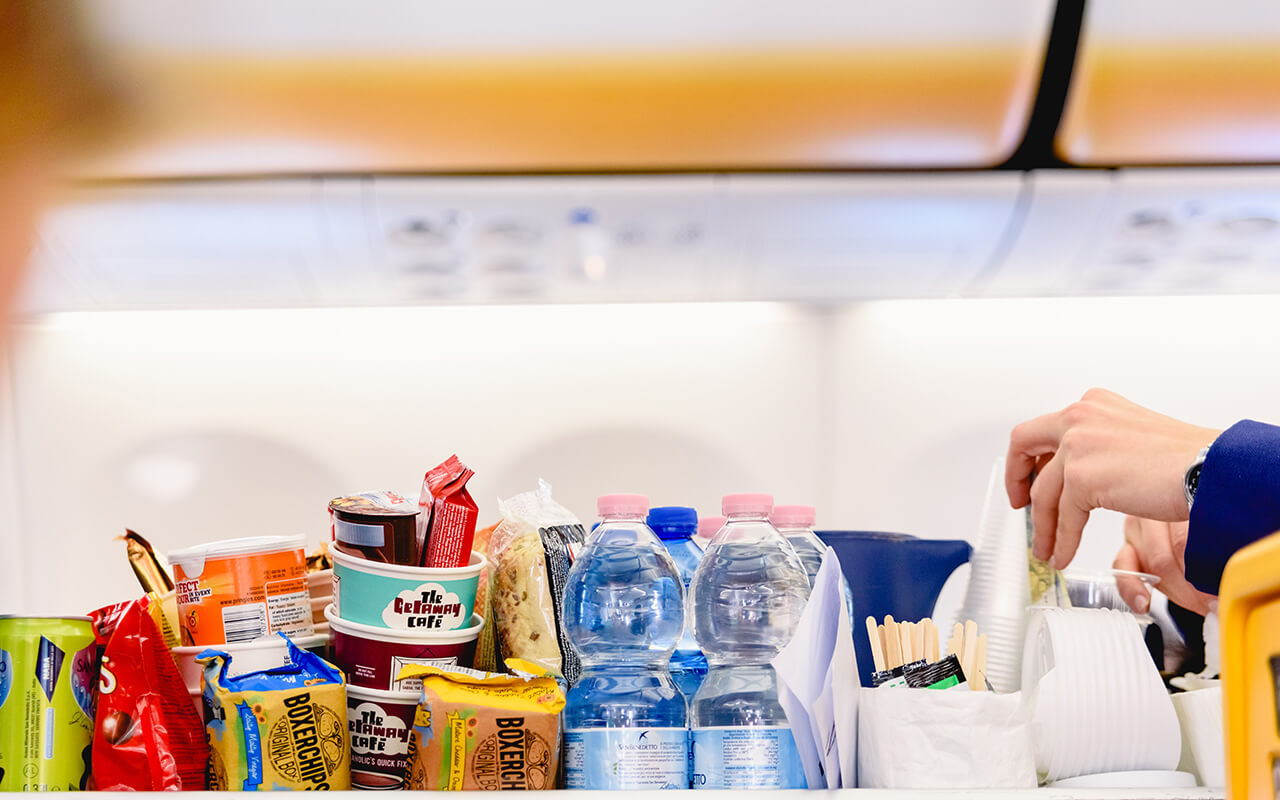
column 279, row 729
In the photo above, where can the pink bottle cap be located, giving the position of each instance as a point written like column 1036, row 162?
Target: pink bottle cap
column 793, row 516
column 709, row 526
column 630, row 504
column 746, row 504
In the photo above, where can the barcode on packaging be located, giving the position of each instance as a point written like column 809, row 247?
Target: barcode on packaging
column 244, row 623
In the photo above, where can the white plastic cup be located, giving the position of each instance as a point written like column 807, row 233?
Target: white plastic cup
column 1098, row 704
column 1203, row 746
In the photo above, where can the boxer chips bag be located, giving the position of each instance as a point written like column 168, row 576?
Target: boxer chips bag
column 146, row 737
column 485, row 730
column 281, row 728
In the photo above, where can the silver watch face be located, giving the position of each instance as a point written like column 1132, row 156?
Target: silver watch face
column 1191, row 481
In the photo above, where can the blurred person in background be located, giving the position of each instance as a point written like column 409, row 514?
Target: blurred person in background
column 1193, row 496
column 56, row 101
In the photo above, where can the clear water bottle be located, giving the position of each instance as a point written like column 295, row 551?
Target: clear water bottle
column 708, row 527
column 795, row 523
column 626, row 722
column 747, row 597
column 675, row 526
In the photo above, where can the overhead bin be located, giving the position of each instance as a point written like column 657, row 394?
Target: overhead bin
column 1174, row 83
column 505, row 86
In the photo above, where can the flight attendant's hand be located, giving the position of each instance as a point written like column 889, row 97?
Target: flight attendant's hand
column 1101, row 452
column 1157, row 548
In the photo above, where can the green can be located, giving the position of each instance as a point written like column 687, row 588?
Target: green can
column 48, row 691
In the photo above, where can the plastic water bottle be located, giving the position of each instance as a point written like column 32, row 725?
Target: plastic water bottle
column 675, row 526
column 708, row 527
column 626, row 722
column 747, row 597
column 795, row 523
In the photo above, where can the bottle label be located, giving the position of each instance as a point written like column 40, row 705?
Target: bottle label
column 746, row 758
column 626, row 758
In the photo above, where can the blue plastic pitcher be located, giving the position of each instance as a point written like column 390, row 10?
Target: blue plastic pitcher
column 892, row 573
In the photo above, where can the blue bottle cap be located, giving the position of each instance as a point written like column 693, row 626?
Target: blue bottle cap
column 673, row 522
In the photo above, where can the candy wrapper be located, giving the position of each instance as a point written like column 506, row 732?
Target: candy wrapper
column 281, row 728
column 485, row 730
column 147, row 737
column 448, row 514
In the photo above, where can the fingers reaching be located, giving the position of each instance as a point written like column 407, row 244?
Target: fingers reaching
column 1151, row 547
column 1072, row 516
column 1160, row 559
column 1045, row 495
column 1028, row 443
column 1135, row 593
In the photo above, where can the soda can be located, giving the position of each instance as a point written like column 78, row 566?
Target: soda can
column 48, row 693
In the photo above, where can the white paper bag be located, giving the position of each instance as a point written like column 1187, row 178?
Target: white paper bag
column 817, row 682
column 937, row 739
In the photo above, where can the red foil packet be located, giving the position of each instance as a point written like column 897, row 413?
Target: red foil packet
column 451, row 528
column 105, row 620
column 147, row 735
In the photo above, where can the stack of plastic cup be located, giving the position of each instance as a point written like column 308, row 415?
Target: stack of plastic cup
column 1097, row 703
column 999, row 588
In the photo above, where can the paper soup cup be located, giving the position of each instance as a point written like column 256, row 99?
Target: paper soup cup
column 379, row 725
column 412, row 599
column 372, row 657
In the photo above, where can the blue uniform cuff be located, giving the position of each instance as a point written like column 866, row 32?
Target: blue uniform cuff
column 1237, row 501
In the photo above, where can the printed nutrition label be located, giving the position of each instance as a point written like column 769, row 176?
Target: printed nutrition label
column 746, row 758
column 626, row 758
column 288, row 605
column 415, row 684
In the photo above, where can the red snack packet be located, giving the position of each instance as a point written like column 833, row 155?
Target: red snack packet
column 147, row 735
column 105, row 620
column 451, row 528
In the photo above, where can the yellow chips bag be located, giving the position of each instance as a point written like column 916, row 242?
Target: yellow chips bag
column 282, row 728
column 485, row 730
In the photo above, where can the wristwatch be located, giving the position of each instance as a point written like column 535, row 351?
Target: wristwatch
column 1191, row 481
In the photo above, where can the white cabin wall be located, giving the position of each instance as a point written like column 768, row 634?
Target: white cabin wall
column 191, row 426
column 12, row 541
column 194, row 426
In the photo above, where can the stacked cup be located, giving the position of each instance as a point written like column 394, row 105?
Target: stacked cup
column 320, row 583
column 386, row 613
column 999, row 589
column 1097, row 703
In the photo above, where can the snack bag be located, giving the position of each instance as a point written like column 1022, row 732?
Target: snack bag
column 448, row 514
column 153, row 576
column 164, row 613
column 531, row 552
column 105, row 620
column 146, row 736
column 149, row 568
column 281, row 728
column 487, row 657
column 485, row 730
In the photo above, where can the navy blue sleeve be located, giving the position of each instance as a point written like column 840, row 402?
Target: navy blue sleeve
column 1237, row 500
